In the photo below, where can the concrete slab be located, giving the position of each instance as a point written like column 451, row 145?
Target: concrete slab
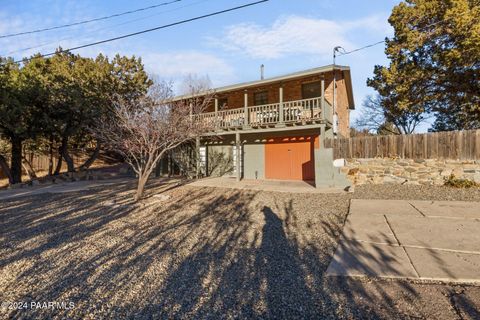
column 391, row 238
column 439, row 233
column 449, row 209
column 368, row 228
column 445, row 265
column 369, row 207
column 264, row 185
column 354, row 258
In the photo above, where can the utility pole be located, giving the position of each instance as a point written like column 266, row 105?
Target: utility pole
column 334, row 105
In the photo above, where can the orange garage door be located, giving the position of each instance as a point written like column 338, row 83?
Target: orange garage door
column 290, row 158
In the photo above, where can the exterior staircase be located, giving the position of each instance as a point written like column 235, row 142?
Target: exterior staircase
column 326, row 174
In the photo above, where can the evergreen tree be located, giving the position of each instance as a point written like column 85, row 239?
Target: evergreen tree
column 434, row 62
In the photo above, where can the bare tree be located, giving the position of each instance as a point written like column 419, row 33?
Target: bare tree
column 382, row 118
column 194, row 83
column 145, row 129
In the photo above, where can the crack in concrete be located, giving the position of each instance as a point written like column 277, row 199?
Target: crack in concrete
column 404, row 250
column 414, row 246
column 419, row 211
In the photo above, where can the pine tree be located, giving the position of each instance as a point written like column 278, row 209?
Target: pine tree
column 434, row 62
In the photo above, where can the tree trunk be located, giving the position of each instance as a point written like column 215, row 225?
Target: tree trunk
column 92, row 158
column 170, row 165
column 66, row 156
column 29, row 168
column 16, row 165
column 59, row 162
column 5, row 169
column 142, row 180
column 50, row 159
column 159, row 169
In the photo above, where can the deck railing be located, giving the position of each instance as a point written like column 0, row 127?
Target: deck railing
column 288, row 112
column 231, row 118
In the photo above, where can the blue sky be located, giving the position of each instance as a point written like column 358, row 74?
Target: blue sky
column 286, row 36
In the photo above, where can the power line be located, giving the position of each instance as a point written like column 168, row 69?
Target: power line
column 344, row 53
column 89, row 21
column 362, row 48
column 148, row 30
column 105, row 28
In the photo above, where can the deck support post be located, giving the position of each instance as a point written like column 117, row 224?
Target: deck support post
column 238, row 155
column 322, row 102
column 280, row 94
column 245, row 109
column 216, row 112
column 197, row 157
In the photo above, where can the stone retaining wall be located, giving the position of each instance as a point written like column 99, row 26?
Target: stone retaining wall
column 409, row 171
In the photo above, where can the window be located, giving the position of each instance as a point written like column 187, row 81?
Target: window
column 260, row 98
column 311, row 90
column 222, row 103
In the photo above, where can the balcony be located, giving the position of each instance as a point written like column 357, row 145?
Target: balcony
column 288, row 113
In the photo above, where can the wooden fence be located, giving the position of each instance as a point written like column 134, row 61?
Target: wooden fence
column 40, row 162
column 455, row 145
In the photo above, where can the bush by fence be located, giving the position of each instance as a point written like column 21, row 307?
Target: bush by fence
column 456, row 145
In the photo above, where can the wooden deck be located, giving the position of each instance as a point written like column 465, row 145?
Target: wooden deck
column 303, row 112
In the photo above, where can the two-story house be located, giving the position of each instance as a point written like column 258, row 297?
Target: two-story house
column 274, row 128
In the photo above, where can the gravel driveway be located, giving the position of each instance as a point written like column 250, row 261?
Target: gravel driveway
column 202, row 253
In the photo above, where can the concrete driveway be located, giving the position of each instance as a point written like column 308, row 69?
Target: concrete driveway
column 286, row 186
column 431, row 240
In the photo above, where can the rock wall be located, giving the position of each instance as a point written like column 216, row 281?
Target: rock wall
column 409, row 171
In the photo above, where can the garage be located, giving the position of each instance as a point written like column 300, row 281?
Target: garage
column 290, row 158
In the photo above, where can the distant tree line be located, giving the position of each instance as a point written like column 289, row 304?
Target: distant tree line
column 53, row 102
column 434, row 69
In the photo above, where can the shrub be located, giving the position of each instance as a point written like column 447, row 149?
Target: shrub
column 454, row 182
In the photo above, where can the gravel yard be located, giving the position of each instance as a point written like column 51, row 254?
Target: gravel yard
column 202, row 253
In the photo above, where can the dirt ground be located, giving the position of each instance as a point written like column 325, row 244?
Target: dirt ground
column 202, row 253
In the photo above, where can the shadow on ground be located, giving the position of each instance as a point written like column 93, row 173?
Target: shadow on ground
column 202, row 253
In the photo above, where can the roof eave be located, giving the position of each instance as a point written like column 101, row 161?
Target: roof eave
column 300, row 74
column 348, row 82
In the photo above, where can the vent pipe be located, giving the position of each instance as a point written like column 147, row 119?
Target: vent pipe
column 262, row 71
